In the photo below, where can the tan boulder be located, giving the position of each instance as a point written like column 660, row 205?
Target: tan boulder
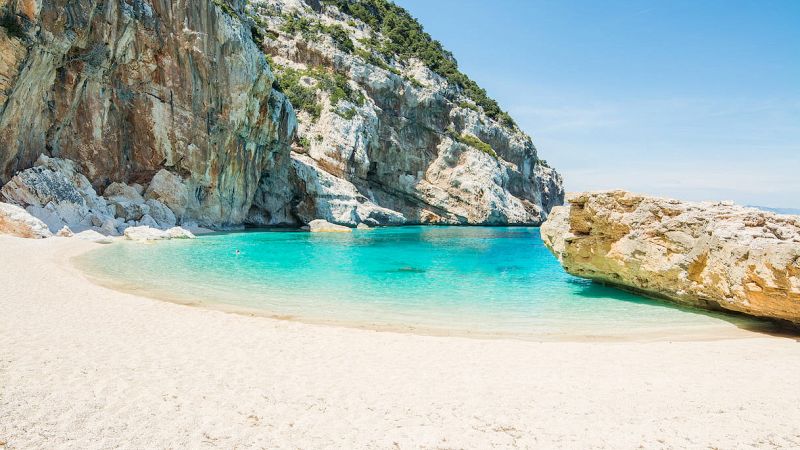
column 170, row 190
column 709, row 255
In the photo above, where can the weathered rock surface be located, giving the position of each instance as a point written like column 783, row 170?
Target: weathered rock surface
column 323, row 226
column 129, row 89
column 711, row 255
column 334, row 198
column 55, row 192
column 18, row 222
column 176, row 102
column 146, row 233
column 170, row 190
column 391, row 150
column 163, row 216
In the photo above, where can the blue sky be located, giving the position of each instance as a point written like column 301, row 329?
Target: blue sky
column 698, row 100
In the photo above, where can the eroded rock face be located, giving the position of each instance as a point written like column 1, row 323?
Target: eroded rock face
column 56, row 193
column 711, row 255
column 128, row 89
column 395, row 142
column 176, row 100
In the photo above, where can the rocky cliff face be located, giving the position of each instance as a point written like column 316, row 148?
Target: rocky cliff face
column 383, row 137
column 126, row 88
column 711, row 255
column 131, row 89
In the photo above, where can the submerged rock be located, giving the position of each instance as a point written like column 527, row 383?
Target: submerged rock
column 323, row 226
column 710, row 255
column 18, row 222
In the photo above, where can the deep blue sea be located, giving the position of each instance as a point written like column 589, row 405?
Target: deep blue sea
column 462, row 280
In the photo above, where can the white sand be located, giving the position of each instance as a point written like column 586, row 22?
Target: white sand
column 82, row 366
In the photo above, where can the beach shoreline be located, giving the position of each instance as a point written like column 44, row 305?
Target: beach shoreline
column 723, row 329
column 85, row 366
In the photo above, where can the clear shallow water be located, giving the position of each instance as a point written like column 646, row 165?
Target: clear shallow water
column 464, row 280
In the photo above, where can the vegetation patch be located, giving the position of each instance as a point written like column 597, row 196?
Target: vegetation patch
column 475, row 142
column 309, row 29
column 226, row 8
column 347, row 113
column 405, row 38
column 468, row 105
column 304, row 96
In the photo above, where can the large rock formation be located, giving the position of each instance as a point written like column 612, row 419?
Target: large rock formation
column 177, row 99
column 384, row 136
column 126, row 89
column 711, row 255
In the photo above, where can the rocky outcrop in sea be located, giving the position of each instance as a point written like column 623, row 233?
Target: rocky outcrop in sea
column 709, row 255
column 223, row 113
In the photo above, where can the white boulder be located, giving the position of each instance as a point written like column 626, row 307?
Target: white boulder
column 18, row 222
column 145, row 233
column 56, row 193
column 179, row 233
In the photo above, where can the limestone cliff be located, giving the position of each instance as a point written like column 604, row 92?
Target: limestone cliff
column 188, row 90
column 126, row 88
column 711, row 255
column 390, row 131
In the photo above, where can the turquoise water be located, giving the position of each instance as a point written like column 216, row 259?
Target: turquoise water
column 471, row 280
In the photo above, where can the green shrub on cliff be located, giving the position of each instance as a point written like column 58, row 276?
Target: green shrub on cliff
column 226, row 8
column 304, row 96
column 407, row 39
column 347, row 113
column 310, row 28
column 475, row 142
